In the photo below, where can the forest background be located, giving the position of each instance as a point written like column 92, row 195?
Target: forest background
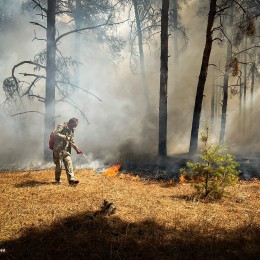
column 115, row 123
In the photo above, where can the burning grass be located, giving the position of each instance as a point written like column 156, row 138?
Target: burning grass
column 152, row 220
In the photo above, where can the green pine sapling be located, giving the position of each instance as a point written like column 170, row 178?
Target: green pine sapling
column 214, row 171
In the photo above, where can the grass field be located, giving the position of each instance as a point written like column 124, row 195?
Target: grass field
column 153, row 220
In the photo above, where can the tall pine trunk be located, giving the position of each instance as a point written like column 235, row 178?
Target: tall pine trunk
column 162, row 149
column 226, row 79
column 202, row 79
column 49, row 121
column 76, row 8
column 252, row 94
column 175, row 43
column 213, row 105
column 78, row 24
column 175, row 36
column 240, row 102
column 224, row 109
column 245, row 90
column 141, row 53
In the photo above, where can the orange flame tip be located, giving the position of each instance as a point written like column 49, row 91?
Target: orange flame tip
column 113, row 170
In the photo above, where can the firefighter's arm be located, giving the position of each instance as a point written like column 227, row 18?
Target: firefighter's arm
column 75, row 146
column 58, row 130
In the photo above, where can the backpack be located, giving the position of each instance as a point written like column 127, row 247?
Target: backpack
column 51, row 141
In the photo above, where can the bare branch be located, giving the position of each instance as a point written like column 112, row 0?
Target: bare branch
column 36, row 38
column 217, row 38
column 27, row 112
column 66, row 101
column 28, row 62
column 38, row 24
column 225, row 36
column 81, row 29
column 75, row 86
column 88, row 28
column 256, row 46
column 243, row 9
column 222, row 10
column 213, row 65
column 32, row 84
column 19, row 64
column 32, row 75
column 40, row 6
column 41, row 99
column 71, row 103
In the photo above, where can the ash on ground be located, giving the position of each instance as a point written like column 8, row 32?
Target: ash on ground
column 154, row 167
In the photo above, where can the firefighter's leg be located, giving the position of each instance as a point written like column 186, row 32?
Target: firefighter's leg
column 69, row 168
column 58, row 162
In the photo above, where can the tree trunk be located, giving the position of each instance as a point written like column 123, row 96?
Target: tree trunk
column 76, row 8
column 78, row 24
column 240, row 102
column 163, row 81
column 50, row 78
column 252, row 94
column 225, row 83
column 217, row 101
column 141, row 53
column 213, row 105
column 175, row 36
column 202, row 79
column 245, row 88
column 175, row 43
column 224, row 108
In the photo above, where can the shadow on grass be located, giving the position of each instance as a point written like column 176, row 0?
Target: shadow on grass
column 92, row 236
column 31, row 183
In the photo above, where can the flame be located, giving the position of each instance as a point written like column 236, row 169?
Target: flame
column 113, row 170
column 182, row 178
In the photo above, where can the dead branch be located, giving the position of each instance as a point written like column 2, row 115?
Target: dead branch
column 222, row 10
column 241, row 7
column 40, row 6
column 71, row 103
column 36, row 38
column 21, row 63
column 217, row 38
column 31, row 75
column 89, row 28
column 76, row 107
column 82, row 29
column 38, row 24
column 28, row 62
column 31, row 85
column 21, row 113
column 41, row 99
column 75, row 86
column 245, row 50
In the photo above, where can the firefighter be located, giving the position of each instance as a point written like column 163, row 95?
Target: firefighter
column 63, row 141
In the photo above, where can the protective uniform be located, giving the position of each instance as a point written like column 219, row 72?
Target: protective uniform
column 62, row 151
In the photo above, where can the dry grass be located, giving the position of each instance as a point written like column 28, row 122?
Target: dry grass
column 40, row 220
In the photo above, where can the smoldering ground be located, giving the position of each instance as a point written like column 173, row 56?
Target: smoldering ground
column 118, row 126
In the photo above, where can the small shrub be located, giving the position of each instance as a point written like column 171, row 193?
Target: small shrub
column 214, row 172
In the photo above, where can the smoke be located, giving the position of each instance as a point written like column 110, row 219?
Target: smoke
column 119, row 126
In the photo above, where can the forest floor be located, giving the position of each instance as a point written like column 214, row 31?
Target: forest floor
column 152, row 219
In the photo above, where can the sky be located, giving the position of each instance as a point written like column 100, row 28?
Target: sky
column 118, row 126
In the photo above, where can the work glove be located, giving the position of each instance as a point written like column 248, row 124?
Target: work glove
column 79, row 151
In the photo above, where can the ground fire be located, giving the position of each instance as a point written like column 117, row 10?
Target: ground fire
column 113, row 170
